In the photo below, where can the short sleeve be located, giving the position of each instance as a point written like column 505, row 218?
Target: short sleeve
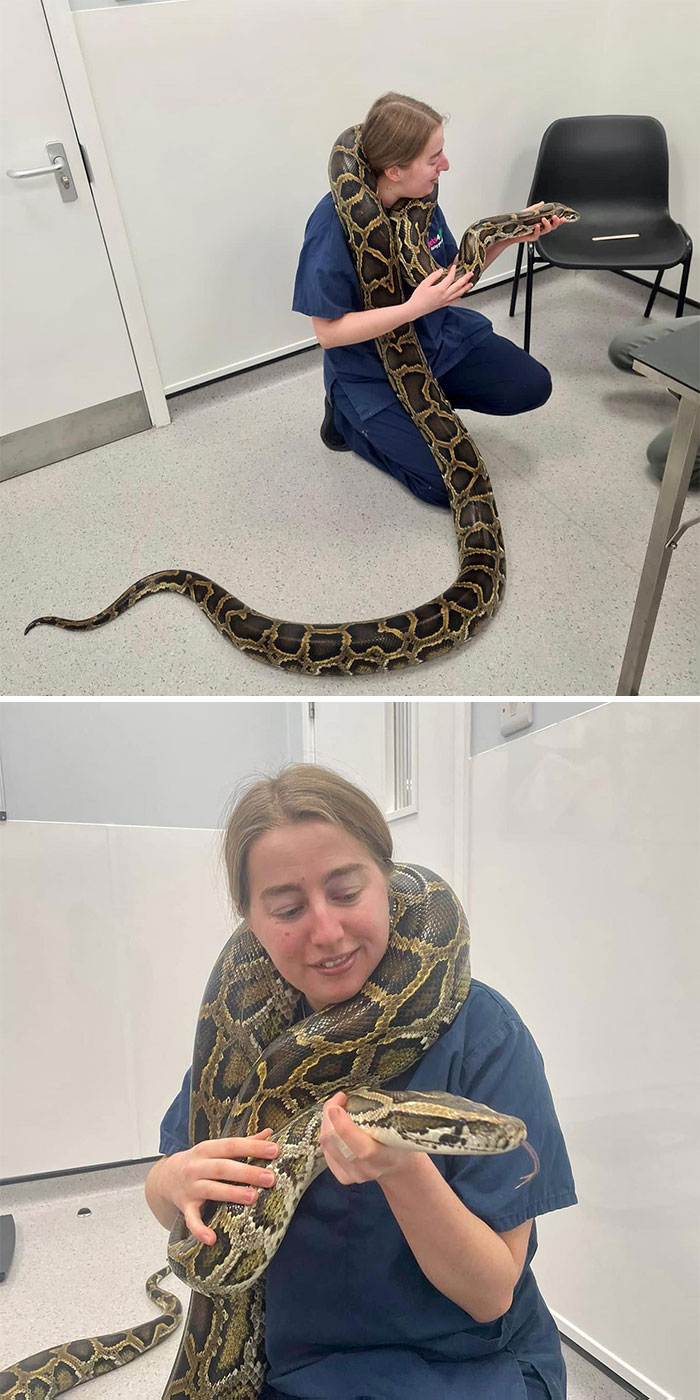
column 508, row 1074
column 326, row 283
column 174, row 1129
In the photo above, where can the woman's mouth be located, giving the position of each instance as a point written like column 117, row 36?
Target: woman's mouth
column 333, row 966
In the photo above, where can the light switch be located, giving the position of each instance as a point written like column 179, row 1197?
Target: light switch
column 516, row 715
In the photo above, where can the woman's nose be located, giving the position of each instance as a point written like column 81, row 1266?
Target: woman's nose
column 324, row 925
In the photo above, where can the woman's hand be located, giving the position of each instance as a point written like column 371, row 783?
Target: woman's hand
column 546, row 226
column 366, row 1160
column 212, row 1171
column 438, row 289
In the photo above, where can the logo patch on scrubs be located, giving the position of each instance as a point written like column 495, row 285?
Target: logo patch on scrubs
column 436, row 242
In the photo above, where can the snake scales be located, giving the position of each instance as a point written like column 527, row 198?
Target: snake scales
column 60, row 1368
column 255, row 1067
column 385, row 248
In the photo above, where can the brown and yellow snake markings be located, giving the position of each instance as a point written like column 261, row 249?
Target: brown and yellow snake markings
column 56, row 1369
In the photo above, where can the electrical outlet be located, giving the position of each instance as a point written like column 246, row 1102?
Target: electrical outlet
column 516, row 715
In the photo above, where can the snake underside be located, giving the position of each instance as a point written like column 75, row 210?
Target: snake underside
column 386, row 248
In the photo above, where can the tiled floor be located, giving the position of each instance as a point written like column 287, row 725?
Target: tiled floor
column 75, row 1276
column 240, row 488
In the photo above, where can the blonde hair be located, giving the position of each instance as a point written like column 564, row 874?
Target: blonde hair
column 396, row 129
column 300, row 792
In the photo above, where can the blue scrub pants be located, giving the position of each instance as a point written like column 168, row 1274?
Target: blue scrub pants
column 535, row 1388
column 495, row 377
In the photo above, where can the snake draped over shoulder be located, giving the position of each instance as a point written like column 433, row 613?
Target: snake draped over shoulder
column 255, row 1066
column 386, row 247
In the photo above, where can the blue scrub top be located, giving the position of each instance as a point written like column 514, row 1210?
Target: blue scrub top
column 350, row 1315
column 327, row 285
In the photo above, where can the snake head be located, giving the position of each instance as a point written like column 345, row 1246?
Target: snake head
column 562, row 211
column 434, row 1122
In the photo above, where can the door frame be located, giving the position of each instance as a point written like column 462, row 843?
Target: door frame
column 69, row 58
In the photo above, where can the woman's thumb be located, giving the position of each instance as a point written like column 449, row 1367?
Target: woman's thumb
column 196, row 1226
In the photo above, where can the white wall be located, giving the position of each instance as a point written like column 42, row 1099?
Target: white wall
column 113, row 909
column 584, row 904
column 113, row 902
column 108, row 935
column 138, row 763
column 218, row 121
column 486, row 720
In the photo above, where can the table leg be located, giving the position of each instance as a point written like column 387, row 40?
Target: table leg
column 672, row 494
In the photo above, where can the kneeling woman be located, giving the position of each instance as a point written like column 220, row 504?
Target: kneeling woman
column 401, row 1274
column 402, row 140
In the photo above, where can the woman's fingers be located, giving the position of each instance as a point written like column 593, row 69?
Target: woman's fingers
column 196, row 1226
column 255, row 1146
column 461, row 286
column 244, row 1173
column 244, row 1193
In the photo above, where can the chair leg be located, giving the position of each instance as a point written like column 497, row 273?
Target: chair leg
column 516, row 282
column 655, row 289
column 684, row 281
column 528, row 292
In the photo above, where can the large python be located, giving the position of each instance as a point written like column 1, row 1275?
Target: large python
column 255, row 1067
column 385, row 248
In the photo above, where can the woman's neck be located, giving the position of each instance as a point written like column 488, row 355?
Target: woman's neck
column 386, row 192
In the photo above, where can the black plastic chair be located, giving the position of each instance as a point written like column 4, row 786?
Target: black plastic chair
column 614, row 172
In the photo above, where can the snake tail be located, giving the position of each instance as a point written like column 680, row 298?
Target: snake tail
column 57, row 1369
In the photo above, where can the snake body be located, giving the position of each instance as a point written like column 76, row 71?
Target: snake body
column 57, row 1369
column 253, row 1067
column 385, row 247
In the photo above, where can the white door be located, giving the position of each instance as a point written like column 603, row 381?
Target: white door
column 69, row 377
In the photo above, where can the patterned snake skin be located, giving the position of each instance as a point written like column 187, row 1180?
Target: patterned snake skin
column 385, row 247
column 255, row 1067
column 57, row 1369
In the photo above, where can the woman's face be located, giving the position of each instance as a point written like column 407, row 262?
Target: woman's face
column 418, row 179
column 317, row 895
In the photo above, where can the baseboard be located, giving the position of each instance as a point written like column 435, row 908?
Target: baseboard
column 632, row 1380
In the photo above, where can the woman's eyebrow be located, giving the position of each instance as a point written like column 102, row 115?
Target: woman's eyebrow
column 343, row 870
column 332, row 875
column 278, row 889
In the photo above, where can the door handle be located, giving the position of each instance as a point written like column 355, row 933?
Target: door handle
column 58, row 164
column 59, row 167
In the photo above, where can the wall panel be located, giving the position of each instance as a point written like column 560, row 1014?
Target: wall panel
column 584, row 900
column 66, row 1090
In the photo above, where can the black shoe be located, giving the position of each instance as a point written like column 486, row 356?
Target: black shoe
column 329, row 433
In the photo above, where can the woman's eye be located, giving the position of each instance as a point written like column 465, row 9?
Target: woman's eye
column 288, row 913
column 348, row 897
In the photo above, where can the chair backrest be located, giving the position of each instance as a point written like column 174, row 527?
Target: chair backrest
column 603, row 160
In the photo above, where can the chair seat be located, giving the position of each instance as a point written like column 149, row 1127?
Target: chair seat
column 661, row 242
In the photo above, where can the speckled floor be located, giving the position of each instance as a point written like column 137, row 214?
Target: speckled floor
column 76, row 1276
column 241, row 488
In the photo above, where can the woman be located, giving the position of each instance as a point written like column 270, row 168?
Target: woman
column 400, row 1274
column 402, row 141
